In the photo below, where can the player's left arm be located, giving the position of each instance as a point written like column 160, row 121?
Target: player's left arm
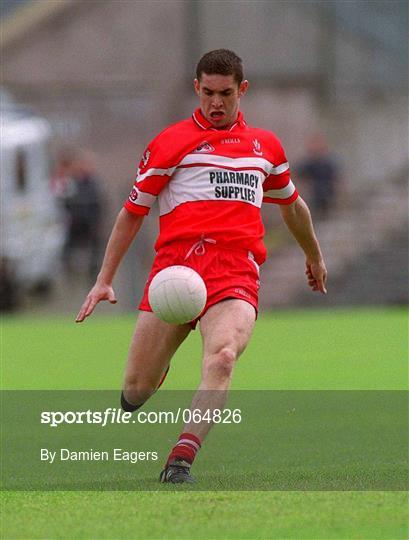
column 297, row 217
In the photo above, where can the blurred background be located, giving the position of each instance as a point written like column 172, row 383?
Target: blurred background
column 86, row 85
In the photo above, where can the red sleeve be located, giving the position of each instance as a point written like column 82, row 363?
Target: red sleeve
column 153, row 174
column 278, row 187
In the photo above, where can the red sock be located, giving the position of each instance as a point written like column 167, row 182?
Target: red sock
column 186, row 448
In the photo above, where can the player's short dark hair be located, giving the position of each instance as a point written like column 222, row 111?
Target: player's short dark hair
column 221, row 62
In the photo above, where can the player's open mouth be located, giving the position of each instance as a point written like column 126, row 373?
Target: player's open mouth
column 216, row 115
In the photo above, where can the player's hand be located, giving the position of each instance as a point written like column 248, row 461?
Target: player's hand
column 316, row 275
column 98, row 293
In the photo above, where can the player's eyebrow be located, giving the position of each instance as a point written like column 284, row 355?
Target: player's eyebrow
column 225, row 90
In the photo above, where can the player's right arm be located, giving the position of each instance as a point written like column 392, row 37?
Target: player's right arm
column 154, row 172
column 124, row 231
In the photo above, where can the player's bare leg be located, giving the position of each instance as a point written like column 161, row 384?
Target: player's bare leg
column 153, row 344
column 226, row 330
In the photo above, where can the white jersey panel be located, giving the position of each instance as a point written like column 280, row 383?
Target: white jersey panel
column 236, row 163
column 212, row 183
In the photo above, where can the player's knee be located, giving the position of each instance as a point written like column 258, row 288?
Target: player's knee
column 137, row 393
column 221, row 363
column 127, row 406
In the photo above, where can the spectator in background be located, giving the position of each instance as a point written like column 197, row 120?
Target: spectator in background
column 62, row 175
column 76, row 185
column 320, row 169
column 9, row 286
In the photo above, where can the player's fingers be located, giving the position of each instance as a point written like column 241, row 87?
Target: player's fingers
column 90, row 308
column 81, row 314
column 86, row 309
column 324, row 281
column 321, row 285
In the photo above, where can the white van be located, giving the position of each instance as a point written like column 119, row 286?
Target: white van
column 32, row 233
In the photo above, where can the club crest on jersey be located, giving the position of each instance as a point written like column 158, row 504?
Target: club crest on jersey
column 204, row 148
column 257, row 148
column 145, row 157
column 134, row 194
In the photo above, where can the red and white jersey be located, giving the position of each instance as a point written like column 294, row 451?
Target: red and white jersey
column 212, row 182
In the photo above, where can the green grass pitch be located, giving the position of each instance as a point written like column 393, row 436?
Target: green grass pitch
column 318, row 350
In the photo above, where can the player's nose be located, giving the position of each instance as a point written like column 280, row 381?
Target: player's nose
column 217, row 102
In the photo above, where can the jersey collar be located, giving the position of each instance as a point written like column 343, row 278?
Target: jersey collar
column 204, row 124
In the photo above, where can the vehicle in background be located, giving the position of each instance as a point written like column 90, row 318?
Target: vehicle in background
column 32, row 230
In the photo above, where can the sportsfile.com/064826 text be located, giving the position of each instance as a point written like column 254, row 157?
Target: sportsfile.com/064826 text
column 117, row 416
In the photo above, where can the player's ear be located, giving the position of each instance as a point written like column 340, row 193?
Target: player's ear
column 244, row 85
column 196, row 84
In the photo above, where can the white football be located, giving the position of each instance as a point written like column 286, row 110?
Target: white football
column 177, row 294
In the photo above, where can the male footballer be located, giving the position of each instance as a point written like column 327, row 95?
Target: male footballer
column 210, row 174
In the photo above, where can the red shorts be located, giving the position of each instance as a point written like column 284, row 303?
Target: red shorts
column 227, row 273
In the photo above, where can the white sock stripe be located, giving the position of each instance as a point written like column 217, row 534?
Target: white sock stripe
column 189, row 446
column 188, row 441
